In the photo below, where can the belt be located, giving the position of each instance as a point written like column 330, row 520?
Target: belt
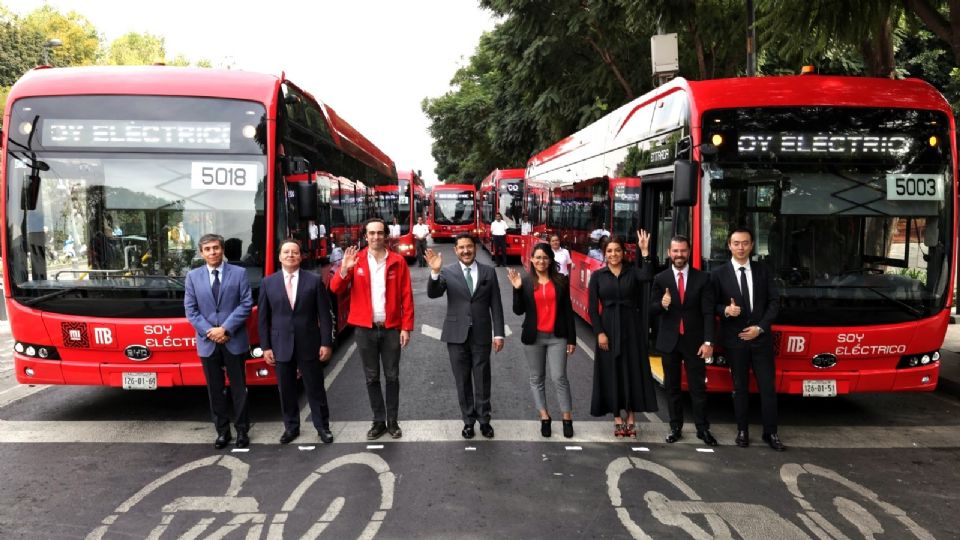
column 380, row 325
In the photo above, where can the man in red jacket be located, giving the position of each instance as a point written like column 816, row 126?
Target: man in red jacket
column 381, row 309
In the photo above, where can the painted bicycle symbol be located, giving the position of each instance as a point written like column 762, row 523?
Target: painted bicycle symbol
column 217, row 516
column 847, row 517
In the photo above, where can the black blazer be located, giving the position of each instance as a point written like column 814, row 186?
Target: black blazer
column 766, row 303
column 305, row 327
column 524, row 303
column 696, row 310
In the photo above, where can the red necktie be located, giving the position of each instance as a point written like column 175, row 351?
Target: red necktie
column 290, row 290
column 680, row 289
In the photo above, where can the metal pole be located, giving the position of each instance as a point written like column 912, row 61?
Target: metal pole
column 751, row 40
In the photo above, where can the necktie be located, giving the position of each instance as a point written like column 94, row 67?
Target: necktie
column 680, row 288
column 469, row 280
column 745, row 290
column 216, row 285
column 290, row 290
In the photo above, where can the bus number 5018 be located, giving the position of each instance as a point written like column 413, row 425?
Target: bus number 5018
column 223, row 176
column 914, row 187
column 220, row 175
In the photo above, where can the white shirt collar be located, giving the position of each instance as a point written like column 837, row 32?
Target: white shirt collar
column 220, row 268
column 685, row 270
column 295, row 273
column 473, row 267
column 736, row 265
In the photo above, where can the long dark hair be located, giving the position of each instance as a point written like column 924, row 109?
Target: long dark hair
column 556, row 277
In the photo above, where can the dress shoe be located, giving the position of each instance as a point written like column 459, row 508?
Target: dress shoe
column 545, row 428
column 774, row 441
column 377, row 429
column 707, row 437
column 243, row 440
column 486, row 430
column 674, row 436
column 568, row 428
column 393, row 428
column 467, row 432
column 326, row 437
column 289, row 435
column 223, row 439
column 743, row 438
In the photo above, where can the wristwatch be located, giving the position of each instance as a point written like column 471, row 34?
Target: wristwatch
column 759, row 330
column 708, row 344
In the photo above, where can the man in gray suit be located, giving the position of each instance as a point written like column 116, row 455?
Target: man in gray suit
column 474, row 315
column 217, row 301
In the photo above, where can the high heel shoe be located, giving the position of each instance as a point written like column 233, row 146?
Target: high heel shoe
column 568, row 428
column 545, row 429
column 630, row 431
column 619, row 431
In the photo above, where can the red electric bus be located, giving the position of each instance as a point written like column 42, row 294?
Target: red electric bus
column 396, row 201
column 502, row 191
column 849, row 185
column 110, row 177
column 453, row 210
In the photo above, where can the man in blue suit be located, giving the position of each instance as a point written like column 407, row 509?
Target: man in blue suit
column 296, row 334
column 217, row 302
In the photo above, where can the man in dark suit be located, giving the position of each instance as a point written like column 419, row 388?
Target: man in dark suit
column 747, row 302
column 474, row 315
column 217, row 302
column 683, row 297
column 296, row 334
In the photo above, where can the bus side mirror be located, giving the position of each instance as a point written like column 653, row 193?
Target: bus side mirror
column 32, row 195
column 685, row 173
column 306, row 194
column 292, row 165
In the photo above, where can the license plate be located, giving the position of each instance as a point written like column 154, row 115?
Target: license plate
column 139, row 381
column 820, row 388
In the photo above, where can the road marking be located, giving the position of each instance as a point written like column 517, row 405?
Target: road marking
column 18, row 392
column 641, row 449
column 589, row 352
column 705, row 450
column 374, row 447
column 430, row 331
column 328, row 380
column 573, row 448
column 140, row 432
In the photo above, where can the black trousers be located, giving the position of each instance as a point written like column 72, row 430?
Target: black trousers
column 312, row 373
column 499, row 249
column 421, row 252
column 381, row 346
column 685, row 355
column 759, row 358
column 471, row 372
column 217, row 390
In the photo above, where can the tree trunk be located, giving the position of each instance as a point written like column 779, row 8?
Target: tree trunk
column 877, row 51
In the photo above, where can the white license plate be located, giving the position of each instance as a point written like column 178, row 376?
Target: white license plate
column 813, row 388
column 139, row 381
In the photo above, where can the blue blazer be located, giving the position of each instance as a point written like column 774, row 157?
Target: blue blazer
column 230, row 312
column 304, row 328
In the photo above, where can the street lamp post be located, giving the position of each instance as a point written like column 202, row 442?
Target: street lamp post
column 51, row 43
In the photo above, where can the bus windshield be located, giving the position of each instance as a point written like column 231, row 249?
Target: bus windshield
column 109, row 195
column 511, row 204
column 396, row 204
column 453, row 207
column 852, row 208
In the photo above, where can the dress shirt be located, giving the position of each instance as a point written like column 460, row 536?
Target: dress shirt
column 525, row 227
column 562, row 257
column 498, row 228
column 736, row 274
column 421, row 230
column 378, row 286
column 395, row 231
column 686, row 277
column 296, row 280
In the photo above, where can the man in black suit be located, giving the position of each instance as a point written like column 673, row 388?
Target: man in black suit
column 474, row 315
column 747, row 302
column 296, row 334
column 683, row 297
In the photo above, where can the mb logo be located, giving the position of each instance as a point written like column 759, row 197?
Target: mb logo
column 102, row 336
column 796, row 344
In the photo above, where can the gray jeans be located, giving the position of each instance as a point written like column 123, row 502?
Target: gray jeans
column 553, row 350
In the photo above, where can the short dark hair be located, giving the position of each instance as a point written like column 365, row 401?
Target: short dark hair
column 616, row 239
column 468, row 236
column 291, row 240
column 678, row 238
column 374, row 220
column 208, row 238
column 740, row 230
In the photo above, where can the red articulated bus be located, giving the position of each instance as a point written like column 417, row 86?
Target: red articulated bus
column 848, row 183
column 502, row 192
column 453, row 210
column 110, row 177
column 396, row 201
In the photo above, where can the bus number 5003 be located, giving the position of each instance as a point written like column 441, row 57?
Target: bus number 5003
column 914, row 187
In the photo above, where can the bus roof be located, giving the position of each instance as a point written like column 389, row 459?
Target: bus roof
column 503, row 174
column 451, row 187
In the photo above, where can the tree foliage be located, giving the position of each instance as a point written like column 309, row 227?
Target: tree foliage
column 80, row 39
column 134, row 49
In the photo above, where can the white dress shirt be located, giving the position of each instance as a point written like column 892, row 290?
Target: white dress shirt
column 394, row 230
column 378, row 286
column 498, row 228
column 421, row 230
column 562, row 257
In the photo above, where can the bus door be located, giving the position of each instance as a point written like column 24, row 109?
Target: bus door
column 657, row 218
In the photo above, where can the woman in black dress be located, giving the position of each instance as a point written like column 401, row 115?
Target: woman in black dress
column 621, row 372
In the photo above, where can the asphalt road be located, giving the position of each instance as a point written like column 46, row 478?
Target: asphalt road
column 78, row 462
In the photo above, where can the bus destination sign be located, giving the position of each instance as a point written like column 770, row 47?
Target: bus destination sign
column 823, row 144
column 451, row 195
column 136, row 134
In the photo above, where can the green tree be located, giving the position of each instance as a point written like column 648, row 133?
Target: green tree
column 942, row 18
column 79, row 37
column 134, row 49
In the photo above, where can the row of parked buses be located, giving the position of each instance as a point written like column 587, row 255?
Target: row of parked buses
column 849, row 185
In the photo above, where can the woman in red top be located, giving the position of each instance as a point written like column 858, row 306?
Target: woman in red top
column 549, row 333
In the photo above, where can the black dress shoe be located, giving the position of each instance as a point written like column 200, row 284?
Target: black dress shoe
column 393, row 428
column 486, row 430
column 289, row 435
column 326, row 437
column 743, row 438
column 545, row 428
column 774, row 441
column 674, row 436
column 377, row 429
column 568, row 428
column 707, row 437
column 223, row 439
column 467, row 432
column 243, row 440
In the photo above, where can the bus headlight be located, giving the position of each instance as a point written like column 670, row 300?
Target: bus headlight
column 925, row 359
column 936, row 356
column 43, row 352
column 18, row 347
column 31, row 351
column 28, row 372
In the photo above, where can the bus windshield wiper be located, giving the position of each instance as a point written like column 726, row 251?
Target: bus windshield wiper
column 50, row 296
column 906, row 307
